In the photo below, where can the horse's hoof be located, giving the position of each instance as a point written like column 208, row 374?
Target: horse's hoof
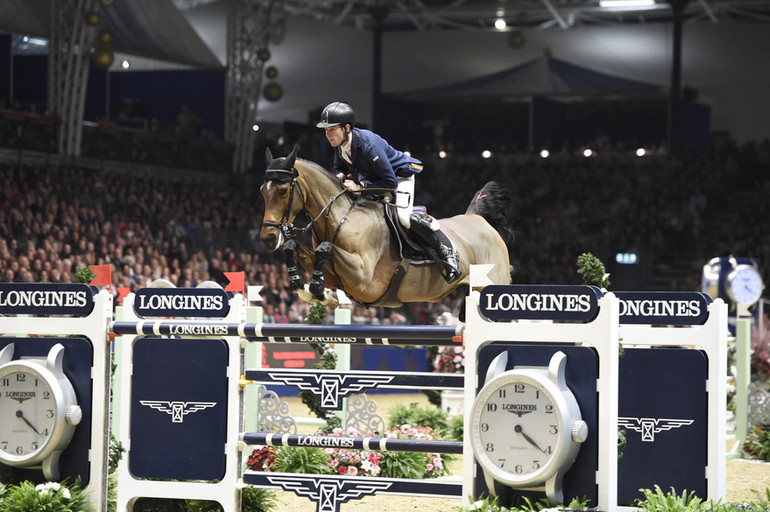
column 305, row 295
column 317, row 289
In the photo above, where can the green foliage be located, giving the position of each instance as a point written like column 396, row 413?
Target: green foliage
column 656, row 501
column 491, row 505
column 621, row 442
column 258, row 500
column 593, row 271
column 115, row 453
column 305, row 459
column 317, row 313
column 757, row 444
column 402, row 465
column 84, row 275
column 424, row 416
column 456, row 428
column 47, row 497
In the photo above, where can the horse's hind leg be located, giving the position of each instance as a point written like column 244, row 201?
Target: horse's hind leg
column 322, row 253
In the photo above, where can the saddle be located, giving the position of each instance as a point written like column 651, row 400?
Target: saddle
column 409, row 248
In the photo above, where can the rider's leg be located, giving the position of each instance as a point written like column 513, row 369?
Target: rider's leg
column 423, row 229
column 405, row 199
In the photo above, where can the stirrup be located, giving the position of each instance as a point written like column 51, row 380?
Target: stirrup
column 450, row 264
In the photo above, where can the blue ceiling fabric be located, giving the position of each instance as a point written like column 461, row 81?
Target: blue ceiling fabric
column 542, row 76
column 154, row 29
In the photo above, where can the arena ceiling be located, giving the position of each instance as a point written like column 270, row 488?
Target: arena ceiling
column 541, row 14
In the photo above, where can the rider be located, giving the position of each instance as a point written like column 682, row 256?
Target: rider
column 363, row 157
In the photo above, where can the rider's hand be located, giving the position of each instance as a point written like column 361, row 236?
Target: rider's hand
column 341, row 175
column 351, row 185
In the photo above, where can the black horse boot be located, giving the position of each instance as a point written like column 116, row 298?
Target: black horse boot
column 442, row 252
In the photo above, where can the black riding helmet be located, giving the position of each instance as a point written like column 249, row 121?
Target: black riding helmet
column 337, row 113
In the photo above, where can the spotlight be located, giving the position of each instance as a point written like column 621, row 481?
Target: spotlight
column 544, row 153
column 125, row 64
column 587, row 152
column 500, row 24
column 442, row 154
column 255, row 127
column 640, row 152
column 486, row 154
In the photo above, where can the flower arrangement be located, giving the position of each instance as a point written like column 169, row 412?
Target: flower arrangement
column 50, row 496
column 449, row 360
column 433, row 463
column 353, row 462
column 262, row 459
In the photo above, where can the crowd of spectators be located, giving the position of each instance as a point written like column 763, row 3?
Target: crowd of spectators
column 56, row 218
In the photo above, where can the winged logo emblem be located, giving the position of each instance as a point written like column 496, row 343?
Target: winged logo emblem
column 648, row 427
column 330, row 388
column 177, row 410
column 328, row 493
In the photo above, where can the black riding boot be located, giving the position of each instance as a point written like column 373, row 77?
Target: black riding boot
column 443, row 251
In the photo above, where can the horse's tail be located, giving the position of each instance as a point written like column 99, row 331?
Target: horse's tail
column 494, row 203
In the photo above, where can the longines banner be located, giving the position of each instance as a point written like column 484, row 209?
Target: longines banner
column 663, row 308
column 540, row 302
column 185, row 302
column 45, row 299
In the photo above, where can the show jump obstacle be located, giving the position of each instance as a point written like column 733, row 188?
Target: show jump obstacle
column 178, row 405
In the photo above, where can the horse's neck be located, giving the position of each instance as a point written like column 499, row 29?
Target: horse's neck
column 319, row 190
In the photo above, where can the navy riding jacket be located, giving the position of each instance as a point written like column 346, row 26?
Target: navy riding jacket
column 375, row 163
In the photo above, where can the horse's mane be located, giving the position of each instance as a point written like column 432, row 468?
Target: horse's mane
column 321, row 170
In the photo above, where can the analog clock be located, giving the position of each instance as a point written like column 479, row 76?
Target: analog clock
column 526, row 427
column 744, row 285
column 39, row 411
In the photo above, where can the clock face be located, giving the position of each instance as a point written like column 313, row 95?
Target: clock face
column 29, row 413
column 516, row 430
column 745, row 285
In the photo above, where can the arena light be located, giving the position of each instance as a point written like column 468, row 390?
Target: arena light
column 442, row 154
column 486, row 154
column 626, row 4
column 125, row 64
column 500, row 24
column 544, row 153
column 255, row 127
column 588, row 153
column 641, row 152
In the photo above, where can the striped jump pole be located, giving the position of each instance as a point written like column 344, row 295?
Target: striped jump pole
column 382, row 444
column 435, row 335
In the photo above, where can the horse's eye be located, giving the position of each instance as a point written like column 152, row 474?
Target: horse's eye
column 283, row 191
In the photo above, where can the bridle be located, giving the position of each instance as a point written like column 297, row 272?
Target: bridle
column 287, row 228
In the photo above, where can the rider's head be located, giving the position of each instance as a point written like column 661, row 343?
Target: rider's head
column 338, row 119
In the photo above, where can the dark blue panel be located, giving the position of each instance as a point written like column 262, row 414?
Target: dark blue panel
column 581, row 373
column 162, row 94
column 78, row 359
column 30, row 79
column 663, row 408
column 179, row 409
column 5, row 69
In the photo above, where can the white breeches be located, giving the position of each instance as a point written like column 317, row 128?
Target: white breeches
column 405, row 199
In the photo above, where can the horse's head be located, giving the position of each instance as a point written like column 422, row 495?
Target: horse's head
column 283, row 199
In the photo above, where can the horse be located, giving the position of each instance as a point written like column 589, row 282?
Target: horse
column 357, row 252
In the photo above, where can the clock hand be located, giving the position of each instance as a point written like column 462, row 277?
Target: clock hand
column 531, row 441
column 20, row 414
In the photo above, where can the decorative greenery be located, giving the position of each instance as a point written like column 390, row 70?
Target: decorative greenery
column 656, row 501
column 317, row 315
column 431, row 417
column 115, row 452
column 491, row 505
column 84, row 275
column 305, row 459
column 757, row 444
column 593, row 271
column 47, row 497
column 456, row 428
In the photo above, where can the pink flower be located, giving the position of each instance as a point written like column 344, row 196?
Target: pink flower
column 429, row 467
column 342, row 470
column 352, row 471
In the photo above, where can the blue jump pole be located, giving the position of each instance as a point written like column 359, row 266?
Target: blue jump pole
column 436, row 335
column 382, row 444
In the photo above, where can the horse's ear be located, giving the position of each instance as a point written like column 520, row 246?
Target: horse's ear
column 268, row 156
column 288, row 163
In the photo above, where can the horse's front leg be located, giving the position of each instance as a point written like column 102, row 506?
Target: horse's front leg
column 322, row 253
column 290, row 258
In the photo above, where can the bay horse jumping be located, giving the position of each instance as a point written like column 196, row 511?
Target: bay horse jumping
column 355, row 250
